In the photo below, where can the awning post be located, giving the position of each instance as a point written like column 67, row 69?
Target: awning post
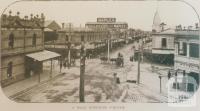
column 51, row 68
column 39, row 77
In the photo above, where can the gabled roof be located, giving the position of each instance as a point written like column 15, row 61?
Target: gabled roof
column 52, row 25
column 47, row 22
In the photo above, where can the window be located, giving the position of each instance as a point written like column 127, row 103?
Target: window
column 164, row 42
column 194, row 50
column 11, row 40
column 182, row 49
column 34, row 40
column 82, row 38
column 66, row 38
column 9, row 69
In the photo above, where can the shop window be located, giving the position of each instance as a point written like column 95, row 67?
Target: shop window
column 164, row 42
column 9, row 69
column 194, row 50
column 11, row 40
column 34, row 39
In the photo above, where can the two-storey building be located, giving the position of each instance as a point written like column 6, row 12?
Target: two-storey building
column 187, row 48
column 22, row 47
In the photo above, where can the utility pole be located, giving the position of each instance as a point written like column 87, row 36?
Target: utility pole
column 138, row 76
column 69, row 45
column 109, row 36
column 140, row 53
column 108, row 50
column 82, row 71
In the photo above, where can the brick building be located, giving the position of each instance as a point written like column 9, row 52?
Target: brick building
column 22, row 45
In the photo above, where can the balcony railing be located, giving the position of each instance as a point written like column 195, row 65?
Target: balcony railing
column 186, row 59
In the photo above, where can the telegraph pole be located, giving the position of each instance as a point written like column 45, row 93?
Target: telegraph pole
column 69, row 47
column 109, row 46
column 82, row 71
column 138, row 76
column 108, row 50
column 140, row 53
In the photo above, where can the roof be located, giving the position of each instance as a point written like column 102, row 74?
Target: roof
column 51, row 24
column 106, row 23
column 166, row 32
column 156, row 22
column 80, row 29
column 187, row 32
column 43, row 55
column 47, row 22
column 48, row 30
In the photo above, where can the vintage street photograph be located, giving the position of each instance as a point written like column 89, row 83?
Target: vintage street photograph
column 100, row 52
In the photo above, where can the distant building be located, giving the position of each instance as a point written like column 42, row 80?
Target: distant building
column 74, row 35
column 110, row 23
column 70, row 38
column 51, row 30
column 117, row 29
column 22, row 47
column 187, row 51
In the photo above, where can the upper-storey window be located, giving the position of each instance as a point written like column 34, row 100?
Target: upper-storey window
column 66, row 38
column 11, row 40
column 164, row 42
column 194, row 50
column 182, row 48
column 34, row 39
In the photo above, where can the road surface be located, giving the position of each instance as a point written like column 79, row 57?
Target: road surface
column 99, row 83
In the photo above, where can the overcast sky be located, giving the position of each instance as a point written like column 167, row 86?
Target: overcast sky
column 137, row 14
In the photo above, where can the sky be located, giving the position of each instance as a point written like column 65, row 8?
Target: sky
column 138, row 14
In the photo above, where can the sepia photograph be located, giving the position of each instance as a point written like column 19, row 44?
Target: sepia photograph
column 100, row 51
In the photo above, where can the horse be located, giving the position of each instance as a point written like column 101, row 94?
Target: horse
column 113, row 60
column 103, row 59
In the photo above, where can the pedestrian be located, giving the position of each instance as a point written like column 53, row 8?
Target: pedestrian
column 169, row 74
column 114, row 79
column 60, row 65
column 65, row 64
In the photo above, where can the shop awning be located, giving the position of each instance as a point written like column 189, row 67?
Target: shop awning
column 43, row 55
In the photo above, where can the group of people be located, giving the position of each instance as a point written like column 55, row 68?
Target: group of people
column 64, row 63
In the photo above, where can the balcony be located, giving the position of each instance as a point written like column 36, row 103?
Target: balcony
column 187, row 63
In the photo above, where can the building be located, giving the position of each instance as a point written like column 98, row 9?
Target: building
column 163, row 46
column 110, row 23
column 51, row 30
column 162, row 42
column 187, row 48
column 117, row 29
column 69, row 38
column 22, row 47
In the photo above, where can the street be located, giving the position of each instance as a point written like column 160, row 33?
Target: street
column 99, row 83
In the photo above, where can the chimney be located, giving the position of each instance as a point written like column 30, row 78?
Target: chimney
column 63, row 25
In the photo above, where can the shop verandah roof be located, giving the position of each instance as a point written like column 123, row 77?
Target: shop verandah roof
column 43, row 55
